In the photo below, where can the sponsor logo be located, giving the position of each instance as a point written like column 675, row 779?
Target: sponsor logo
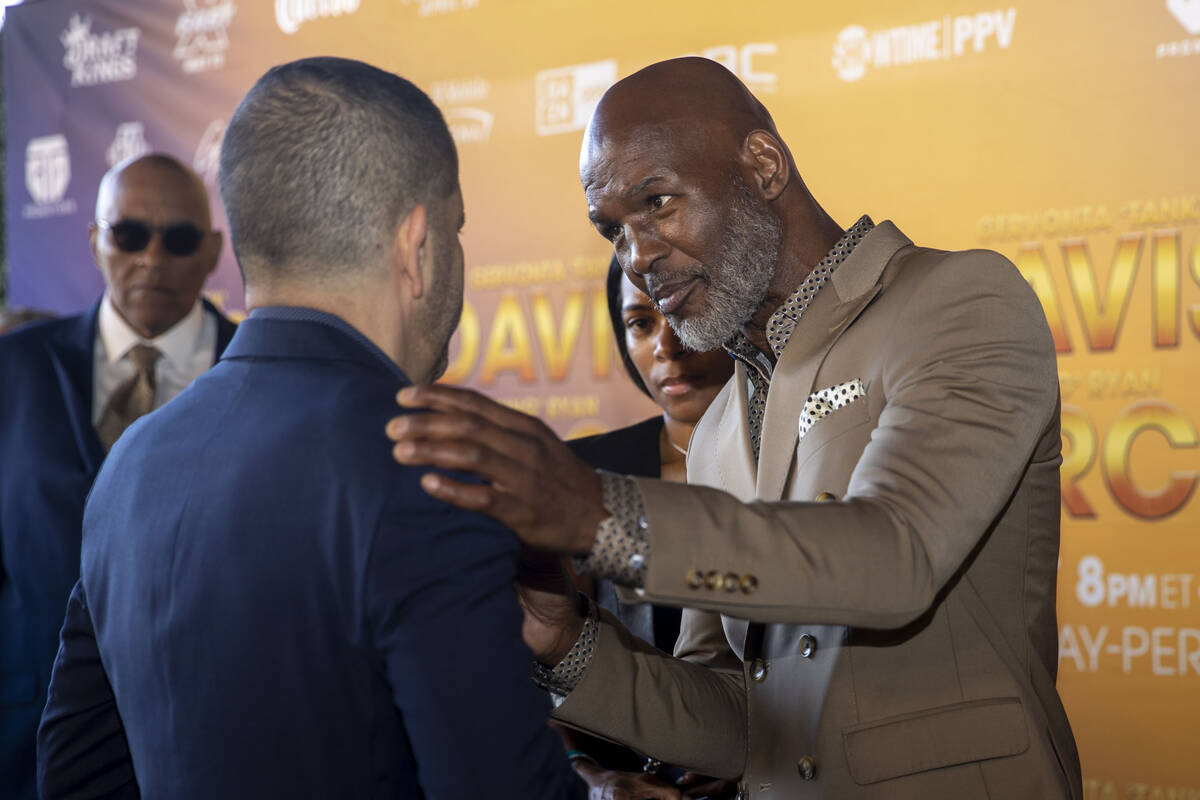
column 94, row 58
column 1187, row 13
column 291, row 14
column 207, row 161
column 567, row 96
column 129, row 142
column 202, row 32
column 856, row 49
column 469, row 125
column 47, row 175
column 748, row 62
column 460, row 90
column 429, row 8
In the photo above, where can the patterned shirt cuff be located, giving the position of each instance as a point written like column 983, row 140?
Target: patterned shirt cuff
column 564, row 676
column 622, row 547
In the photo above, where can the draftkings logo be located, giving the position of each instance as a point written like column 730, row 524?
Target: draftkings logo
column 47, row 175
column 94, row 58
column 856, row 49
column 567, row 96
column 202, row 34
column 1187, row 13
column 459, row 100
column 207, row 161
column 129, row 142
column 291, row 14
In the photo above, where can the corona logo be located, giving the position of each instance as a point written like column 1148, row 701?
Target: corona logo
column 291, row 14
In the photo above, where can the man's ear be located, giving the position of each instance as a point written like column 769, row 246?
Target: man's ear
column 768, row 158
column 411, row 235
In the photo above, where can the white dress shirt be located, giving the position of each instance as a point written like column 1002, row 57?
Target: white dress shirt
column 188, row 348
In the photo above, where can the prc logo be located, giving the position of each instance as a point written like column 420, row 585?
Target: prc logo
column 851, row 52
column 207, row 161
column 47, row 175
column 129, row 142
column 567, row 96
column 203, row 34
column 1188, row 14
column 291, row 14
column 94, row 58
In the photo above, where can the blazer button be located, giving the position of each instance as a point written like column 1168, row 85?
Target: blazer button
column 807, row 767
column 825, row 497
column 713, row 579
column 730, row 582
column 808, row 646
column 694, row 578
column 758, row 670
column 748, row 584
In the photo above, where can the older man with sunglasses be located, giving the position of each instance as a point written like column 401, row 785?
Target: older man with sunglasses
column 71, row 387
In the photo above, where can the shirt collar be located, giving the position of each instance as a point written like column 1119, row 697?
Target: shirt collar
column 177, row 344
column 783, row 322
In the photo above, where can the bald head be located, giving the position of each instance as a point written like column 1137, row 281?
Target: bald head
column 153, row 241
column 163, row 170
column 687, row 176
column 688, row 98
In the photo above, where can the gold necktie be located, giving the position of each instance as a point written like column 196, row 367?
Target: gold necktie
column 131, row 399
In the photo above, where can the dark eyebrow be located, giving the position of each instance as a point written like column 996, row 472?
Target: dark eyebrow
column 641, row 187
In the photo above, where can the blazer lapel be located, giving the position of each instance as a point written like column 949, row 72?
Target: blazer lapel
column 73, row 357
column 736, row 462
column 853, row 286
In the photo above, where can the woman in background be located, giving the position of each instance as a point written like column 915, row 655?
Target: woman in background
column 682, row 383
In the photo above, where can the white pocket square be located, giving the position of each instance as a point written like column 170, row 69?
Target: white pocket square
column 823, row 403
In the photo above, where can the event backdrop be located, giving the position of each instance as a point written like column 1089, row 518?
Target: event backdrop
column 1062, row 134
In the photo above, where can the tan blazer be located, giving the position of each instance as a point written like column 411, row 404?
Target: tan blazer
column 896, row 563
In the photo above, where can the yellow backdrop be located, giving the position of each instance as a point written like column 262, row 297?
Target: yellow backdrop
column 1062, row 134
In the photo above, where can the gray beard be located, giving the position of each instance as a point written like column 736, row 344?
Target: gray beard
column 738, row 286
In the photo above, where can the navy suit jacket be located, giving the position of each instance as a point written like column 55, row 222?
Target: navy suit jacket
column 281, row 611
column 49, row 456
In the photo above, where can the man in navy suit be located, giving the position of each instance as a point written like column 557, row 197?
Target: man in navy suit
column 70, row 386
column 269, row 605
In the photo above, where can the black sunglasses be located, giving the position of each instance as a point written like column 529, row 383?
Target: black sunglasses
column 133, row 236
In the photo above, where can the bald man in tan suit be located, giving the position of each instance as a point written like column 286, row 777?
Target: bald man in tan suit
column 872, row 531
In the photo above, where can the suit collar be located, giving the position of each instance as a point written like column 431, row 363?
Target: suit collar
column 855, row 284
column 292, row 332
column 861, row 270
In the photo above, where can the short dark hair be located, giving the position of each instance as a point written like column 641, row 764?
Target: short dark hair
column 320, row 161
column 613, row 290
